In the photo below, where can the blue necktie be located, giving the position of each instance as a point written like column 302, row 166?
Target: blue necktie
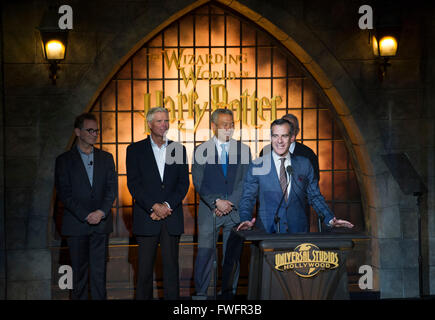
column 224, row 161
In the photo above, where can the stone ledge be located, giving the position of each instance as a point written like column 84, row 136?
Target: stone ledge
column 29, row 290
column 29, row 265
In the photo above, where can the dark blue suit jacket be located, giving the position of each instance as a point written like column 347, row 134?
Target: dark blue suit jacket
column 262, row 181
column 79, row 197
column 147, row 188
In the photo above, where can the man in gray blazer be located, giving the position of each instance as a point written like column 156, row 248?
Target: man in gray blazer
column 86, row 183
column 218, row 170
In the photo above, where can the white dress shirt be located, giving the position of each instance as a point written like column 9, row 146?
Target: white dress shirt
column 219, row 144
column 160, row 156
column 292, row 147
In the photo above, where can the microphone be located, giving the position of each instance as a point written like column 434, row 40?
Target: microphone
column 91, row 163
column 276, row 219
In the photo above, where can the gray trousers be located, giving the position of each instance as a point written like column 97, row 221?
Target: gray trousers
column 206, row 247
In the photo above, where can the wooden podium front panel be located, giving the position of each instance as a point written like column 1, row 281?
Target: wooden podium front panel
column 268, row 282
column 287, row 285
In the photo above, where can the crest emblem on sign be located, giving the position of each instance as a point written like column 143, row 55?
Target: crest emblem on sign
column 306, row 260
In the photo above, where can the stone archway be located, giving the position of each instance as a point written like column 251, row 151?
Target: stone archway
column 361, row 137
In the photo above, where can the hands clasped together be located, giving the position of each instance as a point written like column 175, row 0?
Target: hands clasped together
column 160, row 211
column 223, row 207
column 95, row 217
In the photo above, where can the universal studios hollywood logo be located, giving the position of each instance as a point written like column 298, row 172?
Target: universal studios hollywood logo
column 306, row 260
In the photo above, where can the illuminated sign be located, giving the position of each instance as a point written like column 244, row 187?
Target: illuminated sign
column 306, row 260
column 199, row 69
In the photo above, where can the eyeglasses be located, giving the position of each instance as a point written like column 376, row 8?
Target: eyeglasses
column 92, row 131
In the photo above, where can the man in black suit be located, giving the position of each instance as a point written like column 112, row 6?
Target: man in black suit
column 158, row 180
column 86, row 184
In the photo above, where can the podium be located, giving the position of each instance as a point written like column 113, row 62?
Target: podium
column 298, row 266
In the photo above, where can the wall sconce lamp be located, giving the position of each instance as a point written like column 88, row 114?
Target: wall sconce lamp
column 385, row 45
column 54, row 41
column 54, row 44
column 385, row 37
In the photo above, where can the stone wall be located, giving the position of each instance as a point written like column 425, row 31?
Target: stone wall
column 396, row 115
column 2, row 186
column 426, row 136
column 402, row 106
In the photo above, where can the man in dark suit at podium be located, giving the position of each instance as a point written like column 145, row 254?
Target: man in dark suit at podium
column 158, row 180
column 86, row 183
column 284, row 184
column 299, row 149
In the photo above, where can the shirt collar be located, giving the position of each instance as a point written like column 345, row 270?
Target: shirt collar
column 292, row 147
column 84, row 153
column 219, row 143
column 277, row 157
column 153, row 144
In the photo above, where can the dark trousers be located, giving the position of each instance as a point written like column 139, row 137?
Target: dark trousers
column 231, row 263
column 88, row 261
column 146, row 260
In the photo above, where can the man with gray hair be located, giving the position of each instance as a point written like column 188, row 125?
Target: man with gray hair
column 297, row 148
column 218, row 170
column 158, row 187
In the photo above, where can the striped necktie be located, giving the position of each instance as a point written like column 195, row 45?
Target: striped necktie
column 283, row 179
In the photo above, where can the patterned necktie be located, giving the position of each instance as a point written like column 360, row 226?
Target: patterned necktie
column 283, row 179
column 224, row 159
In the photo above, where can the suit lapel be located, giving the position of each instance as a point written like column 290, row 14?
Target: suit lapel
column 274, row 175
column 295, row 168
column 97, row 167
column 213, row 157
column 81, row 166
column 232, row 159
column 168, row 168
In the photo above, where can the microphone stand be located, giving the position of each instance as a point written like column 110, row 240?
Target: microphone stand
column 276, row 219
column 320, row 219
column 214, row 258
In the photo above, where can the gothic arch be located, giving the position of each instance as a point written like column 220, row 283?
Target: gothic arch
column 358, row 127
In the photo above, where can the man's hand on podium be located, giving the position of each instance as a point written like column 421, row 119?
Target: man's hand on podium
column 339, row 223
column 246, row 225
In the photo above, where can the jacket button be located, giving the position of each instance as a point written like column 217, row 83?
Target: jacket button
column 163, row 186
